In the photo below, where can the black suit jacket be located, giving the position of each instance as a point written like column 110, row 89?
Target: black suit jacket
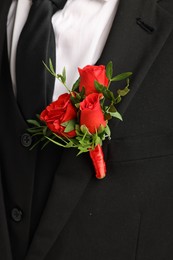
column 129, row 214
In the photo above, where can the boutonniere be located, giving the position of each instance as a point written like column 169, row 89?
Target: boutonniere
column 79, row 119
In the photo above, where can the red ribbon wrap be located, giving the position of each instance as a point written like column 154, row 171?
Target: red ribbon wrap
column 98, row 162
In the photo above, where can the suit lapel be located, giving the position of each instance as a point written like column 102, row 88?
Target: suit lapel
column 131, row 49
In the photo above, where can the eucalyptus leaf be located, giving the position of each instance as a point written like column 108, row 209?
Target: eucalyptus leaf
column 118, row 99
column 44, row 130
column 105, row 91
column 108, row 131
column 64, row 74
column 112, row 108
column 78, row 97
column 33, row 122
column 76, row 84
column 69, row 145
column 48, row 69
column 109, row 95
column 61, row 78
column 82, row 150
column 55, row 142
column 99, row 87
column 74, row 100
column 82, row 93
column 35, row 130
column 51, row 66
column 117, row 115
column 122, row 76
column 46, row 143
column 123, row 92
column 97, row 140
column 74, row 141
column 79, row 138
column 109, row 70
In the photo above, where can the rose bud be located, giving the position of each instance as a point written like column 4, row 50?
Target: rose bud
column 91, row 113
column 89, row 74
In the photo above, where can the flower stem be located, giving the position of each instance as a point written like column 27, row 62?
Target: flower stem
column 98, row 162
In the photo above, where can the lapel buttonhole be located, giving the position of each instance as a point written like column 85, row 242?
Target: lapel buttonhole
column 149, row 29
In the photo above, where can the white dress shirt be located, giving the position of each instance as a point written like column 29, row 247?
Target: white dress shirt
column 81, row 29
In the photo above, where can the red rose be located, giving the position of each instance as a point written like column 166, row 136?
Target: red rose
column 91, row 113
column 58, row 112
column 89, row 74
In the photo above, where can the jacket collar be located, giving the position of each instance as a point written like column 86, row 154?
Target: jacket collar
column 135, row 40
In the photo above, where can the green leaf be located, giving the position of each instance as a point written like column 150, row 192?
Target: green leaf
column 44, row 130
column 69, row 145
column 35, row 130
column 76, row 84
column 99, row 87
column 82, row 93
column 74, row 141
column 117, row 115
column 105, row 91
column 77, row 96
column 118, row 100
column 122, row 76
column 61, row 78
column 79, row 138
column 123, row 92
column 74, row 100
column 112, row 108
column 69, row 126
column 47, row 67
column 33, row 122
column 108, row 131
column 64, row 74
column 51, row 66
column 97, row 140
column 65, row 123
column 55, row 142
column 109, row 70
column 84, row 143
column 46, row 143
column 82, row 150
